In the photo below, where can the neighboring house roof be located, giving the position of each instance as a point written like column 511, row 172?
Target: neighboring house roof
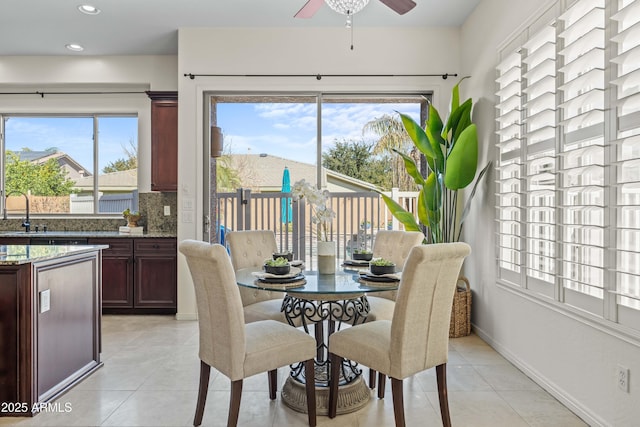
column 113, row 181
column 263, row 172
column 74, row 169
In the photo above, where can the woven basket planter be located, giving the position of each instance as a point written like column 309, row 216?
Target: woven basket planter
column 460, row 325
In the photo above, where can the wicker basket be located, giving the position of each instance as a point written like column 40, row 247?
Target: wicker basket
column 460, row 325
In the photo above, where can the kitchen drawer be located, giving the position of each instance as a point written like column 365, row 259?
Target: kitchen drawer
column 152, row 246
column 122, row 246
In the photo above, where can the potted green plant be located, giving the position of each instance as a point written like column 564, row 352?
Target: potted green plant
column 362, row 255
column 451, row 151
column 132, row 217
column 279, row 266
column 288, row 255
column 382, row 266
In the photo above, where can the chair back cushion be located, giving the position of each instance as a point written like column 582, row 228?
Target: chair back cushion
column 395, row 245
column 249, row 249
column 220, row 314
column 420, row 325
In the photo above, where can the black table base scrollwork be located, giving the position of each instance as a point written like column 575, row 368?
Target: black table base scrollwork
column 330, row 315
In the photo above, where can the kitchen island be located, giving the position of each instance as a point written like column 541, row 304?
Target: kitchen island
column 49, row 322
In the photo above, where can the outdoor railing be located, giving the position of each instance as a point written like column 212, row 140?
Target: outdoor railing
column 359, row 215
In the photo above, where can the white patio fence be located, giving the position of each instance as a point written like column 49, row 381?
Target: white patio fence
column 359, row 215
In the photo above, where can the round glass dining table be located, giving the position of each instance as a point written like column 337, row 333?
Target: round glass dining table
column 328, row 302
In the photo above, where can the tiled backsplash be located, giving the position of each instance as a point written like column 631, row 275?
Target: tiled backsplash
column 151, row 206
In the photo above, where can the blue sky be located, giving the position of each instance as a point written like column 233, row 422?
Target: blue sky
column 289, row 130
column 281, row 129
column 73, row 135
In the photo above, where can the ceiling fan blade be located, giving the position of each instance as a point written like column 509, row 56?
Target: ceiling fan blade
column 400, row 6
column 310, row 8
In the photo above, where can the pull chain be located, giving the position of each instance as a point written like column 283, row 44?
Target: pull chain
column 351, row 32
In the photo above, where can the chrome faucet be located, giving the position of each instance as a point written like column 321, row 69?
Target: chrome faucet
column 26, row 224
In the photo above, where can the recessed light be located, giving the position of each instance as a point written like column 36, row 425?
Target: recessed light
column 74, row 47
column 88, row 9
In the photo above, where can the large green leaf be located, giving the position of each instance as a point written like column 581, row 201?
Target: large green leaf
column 432, row 190
column 433, row 130
column 455, row 117
column 462, row 123
column 406, row 218
column 417, row 135
column 467, row 205
column 412, row 168
column 454, row 104
column 462, row 161
column 423, row 209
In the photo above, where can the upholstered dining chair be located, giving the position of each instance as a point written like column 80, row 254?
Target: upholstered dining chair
column 249, row 249
column 395, row 246
column 235, row 349
column 417, row 337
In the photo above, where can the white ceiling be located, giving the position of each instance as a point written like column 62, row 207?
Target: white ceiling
column 149, row 27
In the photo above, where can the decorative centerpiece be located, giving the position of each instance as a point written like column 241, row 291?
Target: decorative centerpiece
column 321, row 215
column 132, row 217
column 362, row 255
column 277, row 266
column 382, row 266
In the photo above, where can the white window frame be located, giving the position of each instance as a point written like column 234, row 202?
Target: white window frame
column 610, row 309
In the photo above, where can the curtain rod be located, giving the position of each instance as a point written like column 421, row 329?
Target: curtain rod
column 42, row 94
column 320, row 76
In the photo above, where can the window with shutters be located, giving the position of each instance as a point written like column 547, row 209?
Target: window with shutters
column 568, row 144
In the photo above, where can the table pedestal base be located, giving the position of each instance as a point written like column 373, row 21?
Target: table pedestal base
column 351, row 397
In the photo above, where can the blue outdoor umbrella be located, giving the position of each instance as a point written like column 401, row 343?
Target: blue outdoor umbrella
column 287, row 211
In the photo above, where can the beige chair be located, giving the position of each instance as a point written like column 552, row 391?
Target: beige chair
column 235, row 349
column 249, row 249
column 394, row 246
column 417, row 338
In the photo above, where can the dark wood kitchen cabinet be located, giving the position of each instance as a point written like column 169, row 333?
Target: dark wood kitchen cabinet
column 164, row 140
column 139, row 276
column 156, row 273
column 117, row 272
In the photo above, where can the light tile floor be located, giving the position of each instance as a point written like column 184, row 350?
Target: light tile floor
column 151, row 369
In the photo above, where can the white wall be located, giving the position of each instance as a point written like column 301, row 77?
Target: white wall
column 84, row 73
column 292, row 51
column 574, row 361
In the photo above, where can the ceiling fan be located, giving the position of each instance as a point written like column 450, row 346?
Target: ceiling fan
column 349, row 7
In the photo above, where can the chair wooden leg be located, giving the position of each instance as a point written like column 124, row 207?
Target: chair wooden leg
column 441, row 375
column 319, row 333
column 381, row 384
column 372, row 378
column 310, row 380
column 334, row 379
column 205, row 370
column 273, row 383
column 234, row 404
column 398, row 402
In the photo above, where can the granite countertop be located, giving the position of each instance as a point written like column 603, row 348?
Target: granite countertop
column 23, row 254
column 80, row 234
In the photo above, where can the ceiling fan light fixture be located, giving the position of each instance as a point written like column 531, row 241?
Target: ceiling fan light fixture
column 347, row 7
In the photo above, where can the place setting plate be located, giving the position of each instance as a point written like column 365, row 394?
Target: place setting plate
column 379, row 279
column 356, row 263
column 292, row 279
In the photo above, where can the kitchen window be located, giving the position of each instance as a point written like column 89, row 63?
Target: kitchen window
column 69, row 164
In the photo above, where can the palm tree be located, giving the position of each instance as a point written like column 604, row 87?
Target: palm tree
column 393, row 136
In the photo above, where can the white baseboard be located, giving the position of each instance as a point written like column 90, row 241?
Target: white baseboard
column 553, row 389
column 186, row 316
